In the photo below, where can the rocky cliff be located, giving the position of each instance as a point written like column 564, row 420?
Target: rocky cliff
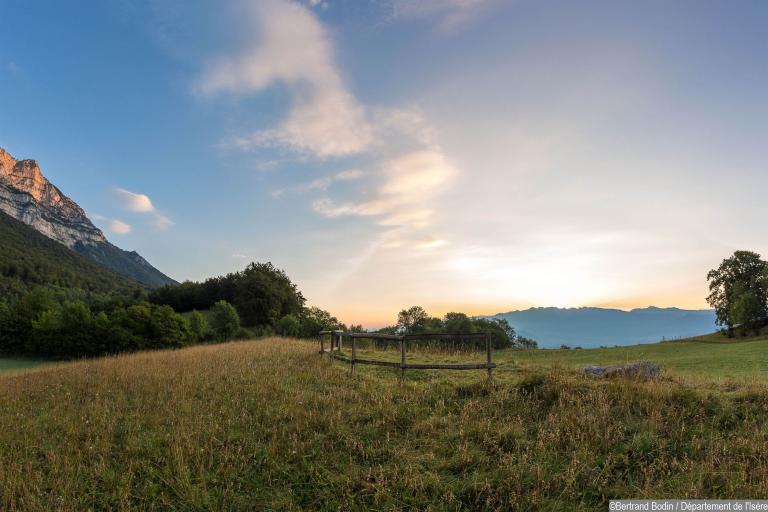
column 26, row 195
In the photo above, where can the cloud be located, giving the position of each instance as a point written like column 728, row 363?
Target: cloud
column 266, row 165
column 351, row 174
column 430, row 243
column 287, row 47
column 140, row 203
column 452, row 15
column 115, row 226
column 326, row 181
column 292, row 49
column 425, row 243
column 162, row 222
column 417, row 175
column 408, row 183
column 134, row 202
column 322, row 183
column 119, row 227
column 14, row 69
column 407, row 125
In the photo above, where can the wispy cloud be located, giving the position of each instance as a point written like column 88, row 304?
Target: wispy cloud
column 321, row 184
column 320, row 4
column 430, row 243
column 134, row 202
column 451, row 15
column 408, row 182
column 141, row 203
column 408, row 124
column 162, row 222
column 115, row 226
column 266, row 165
column 14, row 69
column 404, row 168
column 293, row 49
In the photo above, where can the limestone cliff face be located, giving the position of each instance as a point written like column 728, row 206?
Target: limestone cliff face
column 26, row 195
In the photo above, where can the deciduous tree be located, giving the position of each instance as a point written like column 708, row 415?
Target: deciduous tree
column 739, row 291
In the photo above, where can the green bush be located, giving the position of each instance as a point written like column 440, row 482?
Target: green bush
column 225, row 321
column 263, row 331
column 313, row 320
column 198, row 326
column 243, row 334
column 289, row 325
column 168, row 328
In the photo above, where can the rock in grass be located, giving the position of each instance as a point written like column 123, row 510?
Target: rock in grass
column 642, row 370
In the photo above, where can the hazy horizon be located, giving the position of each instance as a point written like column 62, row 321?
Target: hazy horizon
column 463, row 155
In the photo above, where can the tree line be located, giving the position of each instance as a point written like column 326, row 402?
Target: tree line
column 262, row 295
column 266, row 300
column 416, row 320
column 259, row 301
column 40, row 325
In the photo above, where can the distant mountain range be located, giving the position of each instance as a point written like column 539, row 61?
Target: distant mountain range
column 594, row 327
column 27, row 196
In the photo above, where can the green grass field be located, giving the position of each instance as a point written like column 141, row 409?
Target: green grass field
column 716, row 361
column 269, row 425
column 709, row 358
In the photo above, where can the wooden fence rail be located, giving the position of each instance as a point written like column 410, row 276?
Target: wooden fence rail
column 336, row 339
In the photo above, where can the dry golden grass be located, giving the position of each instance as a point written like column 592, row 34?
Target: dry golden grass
column 267, row 425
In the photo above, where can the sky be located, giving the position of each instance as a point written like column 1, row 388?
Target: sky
column 463, row 155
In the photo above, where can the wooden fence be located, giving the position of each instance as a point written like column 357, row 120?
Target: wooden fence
column 337, row 337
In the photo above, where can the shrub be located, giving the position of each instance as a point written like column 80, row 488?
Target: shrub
column 225, row 321
column 243, row 334
column 168, row 328
column 198, row 326
column 263, row 331
column 313, row 320
column 289, row 325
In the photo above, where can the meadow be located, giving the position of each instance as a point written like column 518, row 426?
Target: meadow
column 269, row 425
column 711, row 358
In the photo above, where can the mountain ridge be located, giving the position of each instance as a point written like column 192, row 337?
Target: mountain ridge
column 593, row 326
column 27, row 196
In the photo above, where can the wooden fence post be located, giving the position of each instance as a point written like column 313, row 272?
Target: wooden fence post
column 402, row 358
column 488, row 356
column 354, row 352
column 322, row 346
